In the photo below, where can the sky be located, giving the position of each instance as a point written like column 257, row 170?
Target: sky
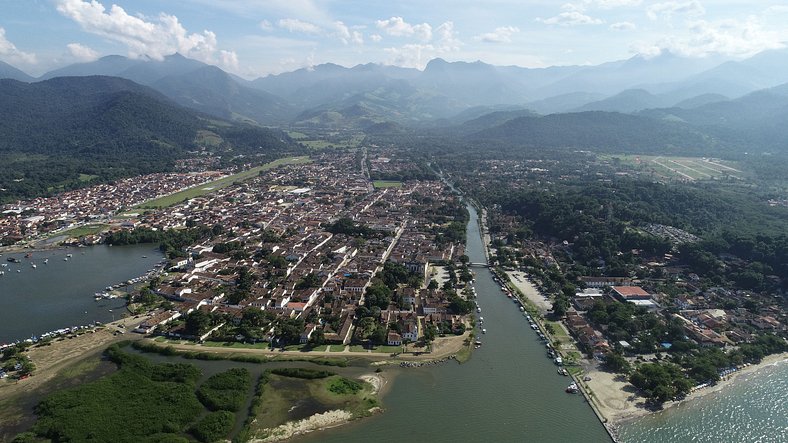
column 254, row 38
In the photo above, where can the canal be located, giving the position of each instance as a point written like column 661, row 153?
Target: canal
column 509, row 391
column 59, row 291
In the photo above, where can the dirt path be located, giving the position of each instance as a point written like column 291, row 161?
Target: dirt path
column 51, row 359
column 441, row 348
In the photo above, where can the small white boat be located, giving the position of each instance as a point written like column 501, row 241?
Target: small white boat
column 484, row 331
column 33, row 265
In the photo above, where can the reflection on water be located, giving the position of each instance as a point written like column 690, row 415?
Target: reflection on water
column 754, row 409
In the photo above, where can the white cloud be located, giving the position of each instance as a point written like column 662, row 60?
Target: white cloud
column 623, row 26
column 691, row 8
column 570, row 18
column 610, row 4
column 501, row 34
column 727, row 37
column 447, row 37
column 377, row 38
column 416, row 55
column 776, row 9
column 398, row 27
column 346, row 36
column 265, row 25
column 9, row 51
column 152, row 37
column 583, row 5
column 82, row 52
column 228, row 59
column 296, row 25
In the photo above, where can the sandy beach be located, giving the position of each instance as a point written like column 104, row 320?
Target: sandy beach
column 314, row 423
column 520, row 281
column 618, row 401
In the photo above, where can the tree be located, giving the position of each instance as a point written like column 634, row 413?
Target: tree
column 198, row 323
column 560, row 305
column 613, row 361
column 378, row 295
column 433, row 285
column 318, row 337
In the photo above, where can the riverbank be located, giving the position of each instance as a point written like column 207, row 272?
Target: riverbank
column 520, row 281
column 618, row 402
column 442, row 349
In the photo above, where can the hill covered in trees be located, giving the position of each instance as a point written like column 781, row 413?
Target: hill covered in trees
column 59, row 130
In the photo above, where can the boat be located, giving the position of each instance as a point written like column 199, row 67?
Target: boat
column 572, row 389
column 33, row 265
column 563, row 372
column 478, row 309
column 14, row 260
column 69, row 255
column 484, row 331
column 522, row 309
column 65, row 258
column 28, row 255
column 46, row 260
column 144, row 256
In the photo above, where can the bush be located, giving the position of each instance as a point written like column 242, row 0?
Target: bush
column 214, row 426
column 225, row 391
column 137, row 402
column 309, row 374
column 344, row 386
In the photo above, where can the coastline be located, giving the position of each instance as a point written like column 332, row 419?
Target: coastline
column 618, row 403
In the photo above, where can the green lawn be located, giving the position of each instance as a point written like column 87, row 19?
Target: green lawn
column 386, row 184
column 207, row 188
column 336, row 348
column 84, row 230
column 219, row 344
column 86, row 177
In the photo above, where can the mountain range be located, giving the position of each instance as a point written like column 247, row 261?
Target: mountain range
column 740, row 103
column 329, row 95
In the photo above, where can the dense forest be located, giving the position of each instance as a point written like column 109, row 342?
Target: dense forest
column 59, row 134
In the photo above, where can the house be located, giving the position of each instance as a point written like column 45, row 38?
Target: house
column 602, row 282
column 394, row 339
column 309, row 329
column 627, row 293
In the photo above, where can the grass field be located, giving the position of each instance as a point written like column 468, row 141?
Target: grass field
column 86, row 177
column 352, row 141
column 681, row 168
column 207, row 188
column 386, row 184
column 83, row 230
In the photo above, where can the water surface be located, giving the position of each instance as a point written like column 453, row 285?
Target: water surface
column 59, row 294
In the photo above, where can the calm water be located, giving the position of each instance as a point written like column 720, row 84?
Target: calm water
column 508, row 392
column 60, row 293
column 754, row 409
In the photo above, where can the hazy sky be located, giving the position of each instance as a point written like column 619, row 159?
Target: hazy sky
column 258, row 37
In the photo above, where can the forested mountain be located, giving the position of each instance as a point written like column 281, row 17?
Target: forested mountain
column 8, row 71
column 190, row 83
column 330, row 95
column 601, row 131
column 756, row 122
column 103, row 127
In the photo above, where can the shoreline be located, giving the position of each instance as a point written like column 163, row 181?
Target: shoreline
column 618, row 403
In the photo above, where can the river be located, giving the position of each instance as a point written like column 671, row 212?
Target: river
column 59, row 294
column 509, row 391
